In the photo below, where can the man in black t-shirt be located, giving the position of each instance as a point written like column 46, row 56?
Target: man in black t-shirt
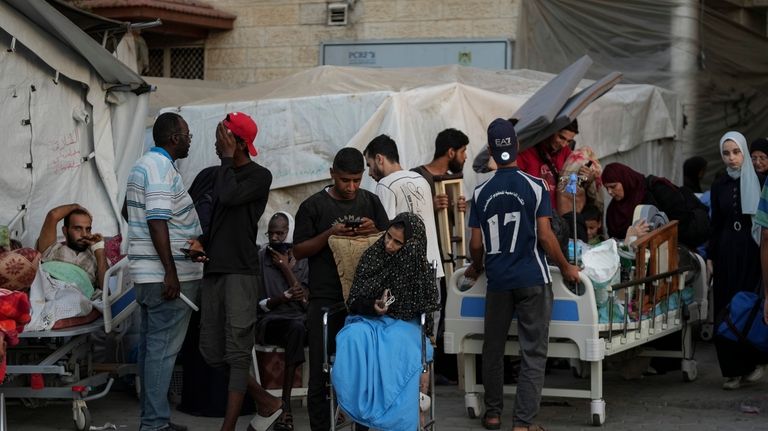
column 232, row 272
column 329, row 212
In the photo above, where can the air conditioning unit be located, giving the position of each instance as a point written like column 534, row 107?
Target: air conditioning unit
column 338, row 13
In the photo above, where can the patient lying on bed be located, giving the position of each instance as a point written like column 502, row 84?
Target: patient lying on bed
column 81, row 247
column 70, row 272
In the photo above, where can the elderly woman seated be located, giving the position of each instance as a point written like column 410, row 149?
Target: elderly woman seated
column 377, row 372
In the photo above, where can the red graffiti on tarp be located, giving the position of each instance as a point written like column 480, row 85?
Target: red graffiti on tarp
column 67, row 154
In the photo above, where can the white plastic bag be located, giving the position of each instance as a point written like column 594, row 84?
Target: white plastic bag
column 601, row 265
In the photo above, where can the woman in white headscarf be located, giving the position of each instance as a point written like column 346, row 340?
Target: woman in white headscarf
column 734, row 251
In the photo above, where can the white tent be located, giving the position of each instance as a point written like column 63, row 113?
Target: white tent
column 305, row 118
column 72, row 117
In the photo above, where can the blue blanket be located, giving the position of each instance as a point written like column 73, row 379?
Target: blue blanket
column 376, row 372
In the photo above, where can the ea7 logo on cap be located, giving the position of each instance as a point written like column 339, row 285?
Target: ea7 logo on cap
column 505, row 142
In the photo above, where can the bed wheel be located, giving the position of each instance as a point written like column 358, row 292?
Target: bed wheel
column 690, row 370
column 81, row 415
column 705, row 333
column 472, row 404
column 597, row 412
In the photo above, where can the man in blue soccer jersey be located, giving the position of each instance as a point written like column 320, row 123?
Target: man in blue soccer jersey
column 510, row 233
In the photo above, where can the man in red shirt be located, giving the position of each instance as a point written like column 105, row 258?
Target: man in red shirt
column 546, row 159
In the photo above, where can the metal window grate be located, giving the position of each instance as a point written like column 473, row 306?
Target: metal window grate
column 187, row 63
column 179, row 62
column 155, row 67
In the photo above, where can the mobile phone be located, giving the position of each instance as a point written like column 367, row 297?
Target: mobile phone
column 388, row 298
column 192, row 254
column 354, row 224
column 280, row 247
column 589, row 164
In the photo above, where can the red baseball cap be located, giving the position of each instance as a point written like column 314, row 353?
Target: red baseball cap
column 243, row 126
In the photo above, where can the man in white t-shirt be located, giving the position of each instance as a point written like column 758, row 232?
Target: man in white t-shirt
column 401, row 190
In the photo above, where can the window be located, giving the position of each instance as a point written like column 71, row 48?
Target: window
column 186, row 62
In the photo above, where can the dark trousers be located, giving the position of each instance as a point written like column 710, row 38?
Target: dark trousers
column 291, row 335
column 318, row 405
column 533, row 306
column 737, row 359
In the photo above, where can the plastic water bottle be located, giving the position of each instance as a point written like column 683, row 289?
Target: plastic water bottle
column 571, row 251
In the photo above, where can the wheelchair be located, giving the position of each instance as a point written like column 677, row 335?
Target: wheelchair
column 426, row 405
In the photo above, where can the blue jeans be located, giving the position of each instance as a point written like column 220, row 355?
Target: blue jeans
column 163, row 326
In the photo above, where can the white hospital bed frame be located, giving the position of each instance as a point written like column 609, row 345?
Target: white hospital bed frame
column 70, row 351
column 575, row 332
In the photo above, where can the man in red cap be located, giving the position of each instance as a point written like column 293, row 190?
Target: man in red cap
column 232, row 272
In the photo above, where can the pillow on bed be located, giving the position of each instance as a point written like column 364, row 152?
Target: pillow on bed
column 347, row 251
column 18, row 268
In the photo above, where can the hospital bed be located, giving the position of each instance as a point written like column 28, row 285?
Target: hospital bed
column 576, row 331
column 60, row 361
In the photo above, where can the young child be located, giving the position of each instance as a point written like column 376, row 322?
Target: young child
column 594, row 222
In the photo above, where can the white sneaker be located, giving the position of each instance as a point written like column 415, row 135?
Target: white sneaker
column 732, row 383
column 756, row 375
column 425, row 401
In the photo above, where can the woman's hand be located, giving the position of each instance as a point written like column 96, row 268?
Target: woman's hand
column 381, row 307
column 638, row 229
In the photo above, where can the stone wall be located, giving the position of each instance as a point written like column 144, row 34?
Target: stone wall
column 275, row 38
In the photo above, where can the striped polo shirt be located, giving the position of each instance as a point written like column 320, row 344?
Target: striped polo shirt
column 761, row 217
column 156, row 192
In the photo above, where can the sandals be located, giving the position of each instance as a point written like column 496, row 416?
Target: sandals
column 285, row 423
column 264, row 423
column 491, row 422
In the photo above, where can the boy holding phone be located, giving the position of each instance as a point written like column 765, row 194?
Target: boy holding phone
column 339, row 209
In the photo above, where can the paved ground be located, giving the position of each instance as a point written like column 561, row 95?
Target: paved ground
column 656, row 402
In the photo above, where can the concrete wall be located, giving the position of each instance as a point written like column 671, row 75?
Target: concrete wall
column 275, row 38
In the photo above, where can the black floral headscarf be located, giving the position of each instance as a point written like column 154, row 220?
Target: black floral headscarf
column 407, row 274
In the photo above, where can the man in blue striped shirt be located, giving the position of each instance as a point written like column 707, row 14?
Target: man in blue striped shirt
column 510, row 233
column 161, row 220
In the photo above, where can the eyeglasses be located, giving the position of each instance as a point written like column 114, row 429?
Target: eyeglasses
column 188, row 135
column 277, row 233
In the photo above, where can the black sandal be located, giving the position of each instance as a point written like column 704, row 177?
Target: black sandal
column 285, row 423
column 491, row 422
